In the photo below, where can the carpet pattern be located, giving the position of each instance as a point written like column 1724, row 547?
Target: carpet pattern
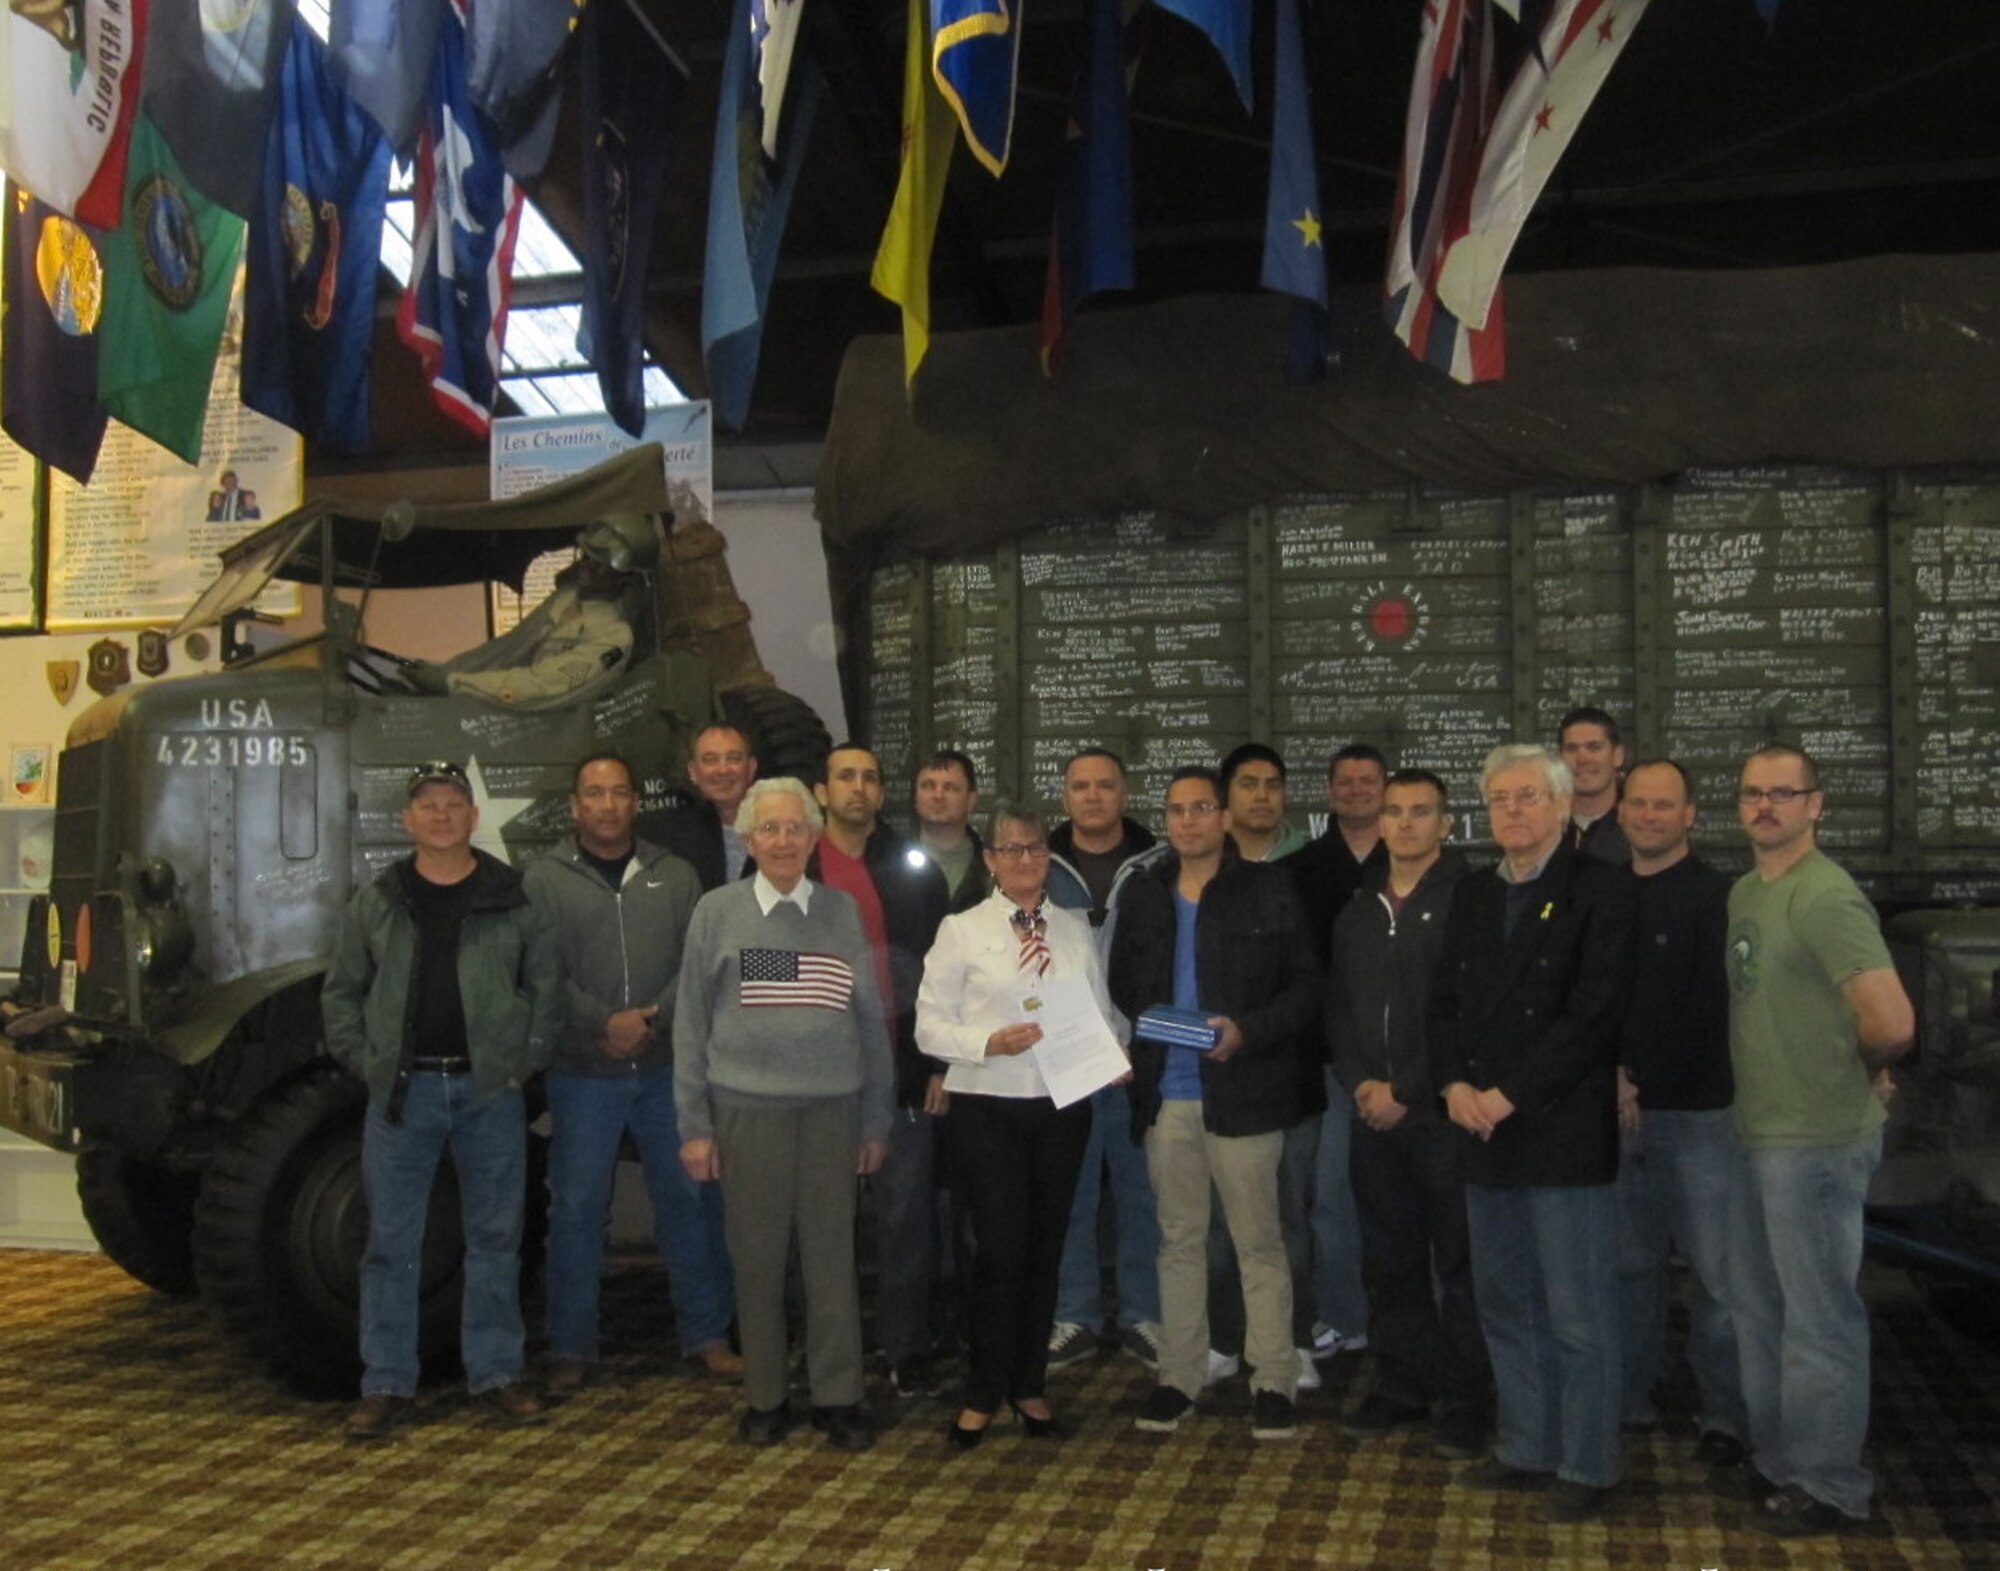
column 137, row 1438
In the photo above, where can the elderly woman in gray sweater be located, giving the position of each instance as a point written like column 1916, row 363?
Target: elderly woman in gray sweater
column 783, row 1084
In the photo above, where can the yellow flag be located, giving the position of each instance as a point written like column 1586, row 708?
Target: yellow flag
column 902, row 271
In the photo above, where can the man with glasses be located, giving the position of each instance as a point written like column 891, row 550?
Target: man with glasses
column 620, row 907
column 1817, row 1014
column 1524, row 1025
column 443, row 997
column 1201, row 930
column 699, row 827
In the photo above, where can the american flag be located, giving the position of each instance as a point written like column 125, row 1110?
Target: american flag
column 789, row 979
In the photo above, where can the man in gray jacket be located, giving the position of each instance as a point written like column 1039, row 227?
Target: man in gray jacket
column 442, row 997
column 620, row 908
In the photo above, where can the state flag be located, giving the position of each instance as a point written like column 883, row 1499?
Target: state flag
column 976, row 58
column 314, row 251
column 515, row 53
column 54, row 296
column 902, row 270
column 774, row 30
column 212, row 74
column 67, row 98
column 382, row 51
column 1294, row 222
column 1227, row 23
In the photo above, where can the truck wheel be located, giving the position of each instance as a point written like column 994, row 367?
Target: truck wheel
column 142, row 1214
column 280, row 1227
column 787, row 733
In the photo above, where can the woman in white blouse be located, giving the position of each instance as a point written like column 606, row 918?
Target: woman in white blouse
column 1014, row 1155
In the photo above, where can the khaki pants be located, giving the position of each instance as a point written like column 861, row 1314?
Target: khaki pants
column 1184, row 1160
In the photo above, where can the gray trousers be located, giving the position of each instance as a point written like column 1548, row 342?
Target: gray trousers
column 786, row 1170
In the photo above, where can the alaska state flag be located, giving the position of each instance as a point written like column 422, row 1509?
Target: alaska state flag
column 314, row 249
column 748, row 199
column 1227, row 23
column 54, row 291
column 1294, row 233
column 69, row 87
column 631, row 97
column 212, row 71
column 169, row 272
column 976, row 55
column 468, row 210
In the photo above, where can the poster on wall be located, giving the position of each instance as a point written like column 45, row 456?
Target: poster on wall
column 144, row 538
column 20, row 552
column 536, row 449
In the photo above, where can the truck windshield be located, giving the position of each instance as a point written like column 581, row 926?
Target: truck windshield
column 248, row 568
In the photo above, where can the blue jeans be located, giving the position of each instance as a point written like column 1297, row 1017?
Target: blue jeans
column 1545, row 1272
column 587, row 1115
column 1339, row 1297
column 489, row 1148
column 1677, row 1178
column 1801, row 1327
column 1080, row 1291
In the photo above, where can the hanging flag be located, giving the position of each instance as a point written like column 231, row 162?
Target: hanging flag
column 631, row 96
column 1091, row 247
column 774, row 29
column 314, row 248
column 749, row 198
column 169, row 272
column 468, row 210
column 975, row 56
column 1768, row 10
column 1294, row 235
column 54, row 293
column 514, row 62
column 382, row 53
column 1227, row 23
column 902, row 271
column 212, row 74
column 66, row 108
column 1543, row 106
column 1451, row 106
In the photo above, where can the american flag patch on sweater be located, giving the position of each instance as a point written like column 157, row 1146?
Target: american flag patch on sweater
column 789, row 979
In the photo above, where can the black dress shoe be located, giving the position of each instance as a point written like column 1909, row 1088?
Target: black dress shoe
column 1034, row 1428
column 764, row 1426
column 846, row 1428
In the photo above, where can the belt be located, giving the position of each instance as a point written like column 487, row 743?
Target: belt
column 442, row 1066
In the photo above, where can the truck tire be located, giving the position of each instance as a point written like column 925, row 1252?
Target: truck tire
column 280, row 1227
column 785, row 731
column 142, row 1214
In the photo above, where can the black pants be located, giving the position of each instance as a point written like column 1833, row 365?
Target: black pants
column 1015, row 1162
column 1416, row 1263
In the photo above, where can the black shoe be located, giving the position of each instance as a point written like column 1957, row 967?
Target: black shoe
column 1569, row 1501
column 913, row 1377
column 1165, row 1407
column 764, row 1426
column 959, row 1438
column 1496, row 1474
column 1273, row 1416
column 1050, row 1428
column 1378, row 1415
column 514, row 1403
column 1741, row 1481
column 1461, row 1434
column 846, row 1428
column 374, row 1416
column 1070, row 1343
column 1792, row 1513
column 1719, row 1450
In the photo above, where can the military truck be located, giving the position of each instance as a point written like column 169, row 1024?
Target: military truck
column 209, row 830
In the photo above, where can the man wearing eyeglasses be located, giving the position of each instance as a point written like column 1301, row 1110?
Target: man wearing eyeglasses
column 442, row 996
column 1202, row 930
column 1524, row 1023
column 1817, row 1014
column 620, row 908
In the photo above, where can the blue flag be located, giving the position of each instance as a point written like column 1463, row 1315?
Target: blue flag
column 514, row 53
column 382, row 56
column 1294, row 240
column 1092, row 245
column 1227, row 23
column 211, row 88
column 314, row 246
column 54, row 290
column 468, row 211
column 975, row 56
column 749, row 198
column 631, row 93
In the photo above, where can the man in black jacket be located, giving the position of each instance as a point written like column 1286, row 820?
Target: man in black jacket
column 699, row 826
column 945, row 797
column 1408, row 1178
column 1524, row 1027
column 1201, row 929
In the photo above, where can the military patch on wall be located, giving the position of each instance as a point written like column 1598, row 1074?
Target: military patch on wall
column 110, row 666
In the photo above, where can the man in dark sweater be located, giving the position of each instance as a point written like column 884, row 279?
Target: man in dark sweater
column 1409, row 1183
column 1680, row 1159
column 1589, row 743
column 1524, row 1029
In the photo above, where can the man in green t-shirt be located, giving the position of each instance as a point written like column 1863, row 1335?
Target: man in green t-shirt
column 1816, row 1015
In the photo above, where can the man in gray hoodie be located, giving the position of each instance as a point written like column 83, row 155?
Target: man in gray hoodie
column 620, row 908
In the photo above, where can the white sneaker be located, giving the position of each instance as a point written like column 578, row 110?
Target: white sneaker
column 1221, row 1366
column 1308, row 1370
column 1329, row 1340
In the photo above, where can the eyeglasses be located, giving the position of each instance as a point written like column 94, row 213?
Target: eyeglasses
column 1022, row 850
column 1526, row 796
column 1195, row 810
column 781, row 829
column 1777, row 796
